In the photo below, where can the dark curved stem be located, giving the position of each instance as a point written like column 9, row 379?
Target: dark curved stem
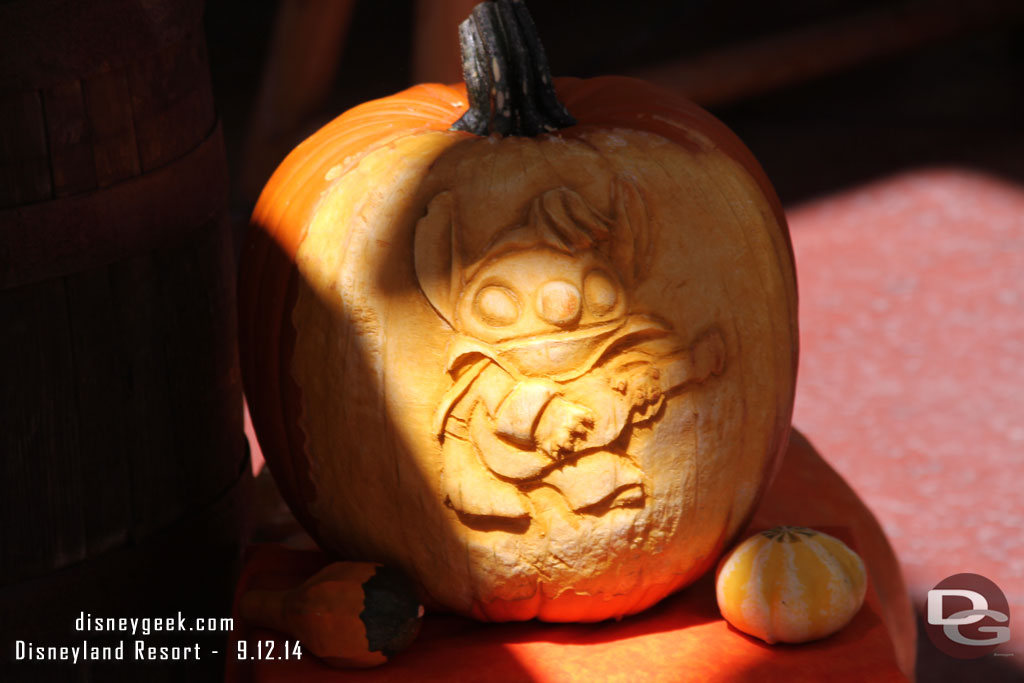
column 508, row 80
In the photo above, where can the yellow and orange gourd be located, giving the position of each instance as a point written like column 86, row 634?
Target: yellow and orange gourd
column 790, row 585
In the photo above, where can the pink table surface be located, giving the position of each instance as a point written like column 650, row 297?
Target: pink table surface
column 912, row 367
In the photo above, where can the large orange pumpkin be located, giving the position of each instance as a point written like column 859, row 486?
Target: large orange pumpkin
column 546, row 367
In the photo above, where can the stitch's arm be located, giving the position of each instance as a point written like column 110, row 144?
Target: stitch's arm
column 704, row 358
column 516, row 418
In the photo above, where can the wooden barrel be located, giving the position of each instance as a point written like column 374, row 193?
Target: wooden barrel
column 122, row 455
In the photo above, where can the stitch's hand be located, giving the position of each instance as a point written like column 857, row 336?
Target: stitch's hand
column 562, row 426
column 641, row 384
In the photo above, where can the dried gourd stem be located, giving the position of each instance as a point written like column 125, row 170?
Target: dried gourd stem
column 788, row 534
column 508, row 80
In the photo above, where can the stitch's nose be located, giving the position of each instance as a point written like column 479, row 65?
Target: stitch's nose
column 558, row 302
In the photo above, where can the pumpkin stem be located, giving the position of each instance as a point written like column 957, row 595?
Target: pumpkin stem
column 508, row 80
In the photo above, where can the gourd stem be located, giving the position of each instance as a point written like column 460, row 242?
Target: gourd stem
column 508, row 80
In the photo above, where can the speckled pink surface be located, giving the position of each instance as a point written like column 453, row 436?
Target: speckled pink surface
column 912, row 367
column 912, row 371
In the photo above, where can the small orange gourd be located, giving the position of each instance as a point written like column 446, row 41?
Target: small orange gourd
column 349, row 614
column 790, row 585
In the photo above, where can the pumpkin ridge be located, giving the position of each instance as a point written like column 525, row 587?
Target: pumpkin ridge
column 739, row 227
column 396, row 449
column 784, row 409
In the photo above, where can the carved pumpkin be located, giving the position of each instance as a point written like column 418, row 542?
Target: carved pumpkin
column 790, row 585
column 546, row 367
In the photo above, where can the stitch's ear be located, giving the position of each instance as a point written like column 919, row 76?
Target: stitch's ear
column 630, row 238
column 437, row 257
column 564, row 220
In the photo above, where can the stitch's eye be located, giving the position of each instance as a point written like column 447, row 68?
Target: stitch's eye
column 600, row 292
column 558, row 302
column 496, row 306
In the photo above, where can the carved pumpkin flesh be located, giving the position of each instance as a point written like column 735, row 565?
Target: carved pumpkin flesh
column 547, row 376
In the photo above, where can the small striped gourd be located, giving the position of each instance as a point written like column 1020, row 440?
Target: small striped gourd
column 791, row 585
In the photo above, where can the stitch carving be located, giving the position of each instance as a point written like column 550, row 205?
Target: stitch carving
column 550, row 367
